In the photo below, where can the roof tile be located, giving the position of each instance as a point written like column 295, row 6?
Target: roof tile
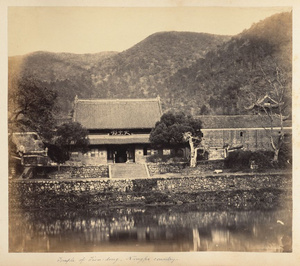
column 239, row 121
column 117, row 114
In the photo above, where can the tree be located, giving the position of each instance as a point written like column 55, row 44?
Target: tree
column 278, row 88
column 31, row 108
column 176, row 129
column 275, row 104
column 194, row 143
column 68, row 137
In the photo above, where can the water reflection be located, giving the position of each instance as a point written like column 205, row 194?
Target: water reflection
column 180, row 228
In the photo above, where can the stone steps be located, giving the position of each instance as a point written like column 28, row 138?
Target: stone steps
column 124, row 170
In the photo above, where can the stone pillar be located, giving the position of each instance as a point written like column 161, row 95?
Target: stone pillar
column 102, row 156
column 139, row 154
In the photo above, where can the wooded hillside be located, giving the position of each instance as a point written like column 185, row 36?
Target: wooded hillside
column 197, row 73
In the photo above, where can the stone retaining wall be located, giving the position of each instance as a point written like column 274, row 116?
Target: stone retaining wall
column 162, row 168
column 87, row 172
column 202, row 166
column 73, row 172
column 78, row 193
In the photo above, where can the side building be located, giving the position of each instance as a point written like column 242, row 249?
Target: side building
column 26, row 151
column 118, row 129
column 250, row 132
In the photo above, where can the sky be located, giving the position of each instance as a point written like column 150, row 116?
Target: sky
column 96, row 29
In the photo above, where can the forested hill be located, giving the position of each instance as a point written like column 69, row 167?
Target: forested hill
column 137, row 72
column 237, row 73
column 194, row 72
column 141, row 71
column 68, row 74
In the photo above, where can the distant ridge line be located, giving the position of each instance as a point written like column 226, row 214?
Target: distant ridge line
column 119, row 100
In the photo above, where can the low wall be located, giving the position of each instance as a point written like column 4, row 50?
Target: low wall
column 73, row 172
column 162, row 168
column 231, row 189
column 86, row 172
column 202, row 166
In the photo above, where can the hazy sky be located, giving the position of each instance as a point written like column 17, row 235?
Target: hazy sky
column 96, row 29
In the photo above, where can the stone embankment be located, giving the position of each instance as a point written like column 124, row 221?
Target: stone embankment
column 86, row 172
column 232, row 190
column 183, row 168
column 71, row 172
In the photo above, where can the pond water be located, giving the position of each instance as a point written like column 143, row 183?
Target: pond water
column 147, row 229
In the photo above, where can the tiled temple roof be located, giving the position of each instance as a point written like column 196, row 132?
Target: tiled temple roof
column 239, row 121
column 117, row 114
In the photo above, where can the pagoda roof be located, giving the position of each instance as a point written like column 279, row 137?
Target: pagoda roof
column 266, row 102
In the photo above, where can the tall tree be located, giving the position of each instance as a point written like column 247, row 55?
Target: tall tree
column 31, row 108
column 275, row 104
column 173, row 130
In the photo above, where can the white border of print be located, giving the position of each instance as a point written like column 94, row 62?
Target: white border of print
column 116, row 258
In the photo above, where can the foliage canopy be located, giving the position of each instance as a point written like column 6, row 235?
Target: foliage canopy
column 32, row 108
column 69, row 137
column 171, row 127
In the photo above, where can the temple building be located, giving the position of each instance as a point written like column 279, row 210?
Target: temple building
column 26, row 151
column 28, row 148
column 118, row 129
column 250, row 132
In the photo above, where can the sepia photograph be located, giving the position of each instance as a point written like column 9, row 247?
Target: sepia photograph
column 150, row 132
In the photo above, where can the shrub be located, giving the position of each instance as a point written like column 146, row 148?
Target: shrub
column 157, row 158
column 240, row 160
column 262, row 158
column 285, row 156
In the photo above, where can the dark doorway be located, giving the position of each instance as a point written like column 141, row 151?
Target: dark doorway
column 121, row 155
